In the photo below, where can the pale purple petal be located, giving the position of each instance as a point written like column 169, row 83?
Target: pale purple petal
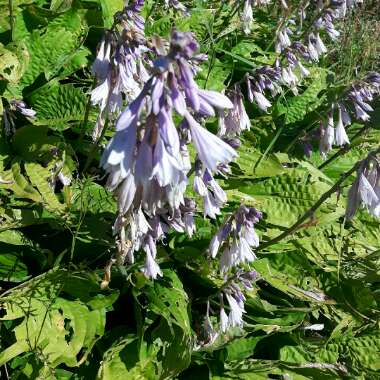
column 210, row 148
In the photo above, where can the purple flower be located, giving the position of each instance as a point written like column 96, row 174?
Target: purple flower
column 341, row 137
column 236, row 119
column 21, row 107
column 148, row 161
column 262, row 102
column 235, row 317
column 210, row 148
column 237, row 235
column 327, row 136
column 247, row 17
column 151, row 268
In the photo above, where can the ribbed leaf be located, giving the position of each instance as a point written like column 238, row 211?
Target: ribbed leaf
column 63, row 330
column 286, row 197
column 297, row 107
column 58, row 105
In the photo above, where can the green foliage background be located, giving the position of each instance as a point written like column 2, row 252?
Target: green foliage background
column 57, row 322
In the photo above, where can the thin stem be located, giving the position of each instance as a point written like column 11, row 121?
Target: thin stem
column 94, row 148
column 84, row 122
column 11, row 18
column 309, row 213
column 269, row 148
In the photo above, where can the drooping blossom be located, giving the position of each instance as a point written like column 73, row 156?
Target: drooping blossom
column 365, row 190
column 119, row 66
column 21, row 107
column 353, row 104
column 247, row 16
column 327, row 135
column 177, row 5
column 236, row 238
column 147, row 159
column 232, row 292
column 341, row 137
column 283, row 40
column 236, row 120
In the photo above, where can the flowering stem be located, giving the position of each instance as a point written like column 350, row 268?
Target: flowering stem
column 346, row 148
column 309, row 213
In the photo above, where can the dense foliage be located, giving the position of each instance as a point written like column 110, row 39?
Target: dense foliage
column 189, row 189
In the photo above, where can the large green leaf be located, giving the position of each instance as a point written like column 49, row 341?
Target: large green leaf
column 123, row 361
column 357, row 353
column 63, row 330
column 58, row 105
column 296, row 108
column 284, row 198
column 51, row 47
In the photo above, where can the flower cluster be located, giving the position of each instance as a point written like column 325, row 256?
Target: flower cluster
column 232, row 299
column 355, row 101
column 233, row 293
column 120, row 63
column 365, row 190
column 291, row 52
column 236, row 238
column 236, row 120
column 262, row 79
column 148, row 161
column 177, row 5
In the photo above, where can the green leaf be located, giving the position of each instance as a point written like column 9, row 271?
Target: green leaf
column 12, row 268
column 168, row 299
column 284, row 198
column 58, row 105
column 32, row 143
column 14, row 237
column 60, row 5
column 109, row 8
column 93, row 198
column 296, row 108
column 51, row 48
column 270, row 166
column 292, row 274
column 63, row 330
column 13, row 62
column 39, row 177
column 239, row 349
column 121, row 361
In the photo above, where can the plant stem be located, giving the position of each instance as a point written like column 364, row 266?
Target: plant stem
column 95, row 146
column 84, row 122
column 309, row 213
column 269, row 148
column 11, row 17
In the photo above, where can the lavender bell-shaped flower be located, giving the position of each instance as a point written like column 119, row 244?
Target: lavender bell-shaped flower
column 237, row 237
column 365, row 189
column 237, row 119
column 341, row 137
column 147, row 159
column 177, row 5
column 119, row 65
column 247, row 17
column 21, row 107
column 235, row 317
column 327, row 136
